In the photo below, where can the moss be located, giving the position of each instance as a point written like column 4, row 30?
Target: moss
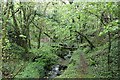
column 74, row 70
column 31, row 71
column 0, row 58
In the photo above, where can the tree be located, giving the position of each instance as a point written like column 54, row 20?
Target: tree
column 118, row 11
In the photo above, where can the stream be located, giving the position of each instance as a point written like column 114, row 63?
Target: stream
column 58, row 69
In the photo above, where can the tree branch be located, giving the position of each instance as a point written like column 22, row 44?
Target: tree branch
column 14, row 18
column 44, row 13
column 49, row 36
column 97, row 17
column 91, row 45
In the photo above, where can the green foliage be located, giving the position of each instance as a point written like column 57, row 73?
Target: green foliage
column 111, row 27
column 48, row 56
column 98, row 58
column 31, row 71
column 37, row 69
column 72, row 70
column 16, row 49
column 12, row 48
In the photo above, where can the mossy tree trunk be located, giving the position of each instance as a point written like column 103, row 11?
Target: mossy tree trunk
column 118, row 14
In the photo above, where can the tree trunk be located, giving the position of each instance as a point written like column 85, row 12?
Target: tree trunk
column 109, row 50
column 39, row 37
column 5, row 14
column 118, row 14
